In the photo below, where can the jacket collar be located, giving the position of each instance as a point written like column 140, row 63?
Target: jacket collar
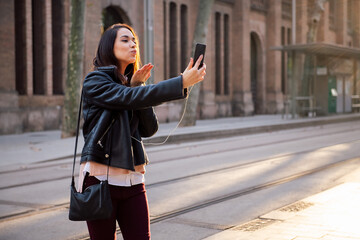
column 111, row 71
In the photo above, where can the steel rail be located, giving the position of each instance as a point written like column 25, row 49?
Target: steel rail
column 189, row 176
column 70, row 157
column 240, row 193
column 208, row 202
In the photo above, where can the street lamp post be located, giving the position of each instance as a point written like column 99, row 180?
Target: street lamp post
column 293, row 42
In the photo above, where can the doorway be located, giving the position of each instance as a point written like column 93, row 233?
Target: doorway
column 256, row 85
column 343, row 100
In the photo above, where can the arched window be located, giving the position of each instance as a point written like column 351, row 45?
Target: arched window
column 112, row 15
column 257, row 85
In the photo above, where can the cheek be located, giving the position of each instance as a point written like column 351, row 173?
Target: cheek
column 118, row 50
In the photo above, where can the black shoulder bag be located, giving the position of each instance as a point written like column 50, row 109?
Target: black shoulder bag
column 95, row 201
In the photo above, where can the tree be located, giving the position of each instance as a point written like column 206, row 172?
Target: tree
column 200, row 33
column 74, row 68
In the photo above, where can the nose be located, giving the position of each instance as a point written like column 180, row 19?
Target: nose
column 132, row 44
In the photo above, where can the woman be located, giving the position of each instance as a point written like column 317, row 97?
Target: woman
column 117, row 110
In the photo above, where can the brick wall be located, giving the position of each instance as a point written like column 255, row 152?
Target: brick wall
column 248, row 23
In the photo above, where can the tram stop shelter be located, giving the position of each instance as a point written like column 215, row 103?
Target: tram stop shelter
column 322, row 79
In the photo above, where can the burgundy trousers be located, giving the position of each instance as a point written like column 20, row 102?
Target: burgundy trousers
column 130, row 210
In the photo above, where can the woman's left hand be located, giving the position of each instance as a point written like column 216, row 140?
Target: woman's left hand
column 141, row 75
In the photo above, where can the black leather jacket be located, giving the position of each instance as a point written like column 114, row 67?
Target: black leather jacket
column 116, row 117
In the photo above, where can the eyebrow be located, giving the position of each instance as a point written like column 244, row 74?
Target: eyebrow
column 127, row 36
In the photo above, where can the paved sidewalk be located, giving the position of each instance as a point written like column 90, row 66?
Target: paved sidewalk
column 329, row 215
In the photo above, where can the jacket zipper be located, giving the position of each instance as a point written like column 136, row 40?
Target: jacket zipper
column 132, row 115
column 107, row 130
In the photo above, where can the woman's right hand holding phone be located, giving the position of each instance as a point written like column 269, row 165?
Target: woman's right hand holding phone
column 192, row 74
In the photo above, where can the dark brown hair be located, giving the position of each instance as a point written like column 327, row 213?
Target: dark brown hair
column 105, row 53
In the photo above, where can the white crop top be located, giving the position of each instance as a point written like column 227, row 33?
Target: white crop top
column 124, row 180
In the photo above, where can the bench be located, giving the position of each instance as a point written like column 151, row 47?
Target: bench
column 355, row 103
column 311, row 109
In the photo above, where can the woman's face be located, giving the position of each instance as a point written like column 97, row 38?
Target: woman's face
column 125, row 47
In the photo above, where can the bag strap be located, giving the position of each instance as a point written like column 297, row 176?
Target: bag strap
column 76, row 140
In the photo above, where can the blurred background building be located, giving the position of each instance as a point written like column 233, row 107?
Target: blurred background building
column 246, row 72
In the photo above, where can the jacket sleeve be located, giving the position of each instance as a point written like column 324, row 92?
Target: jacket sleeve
column 148, row 122
column 101, row 90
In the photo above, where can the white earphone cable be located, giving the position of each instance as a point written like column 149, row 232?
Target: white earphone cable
column 182, row 116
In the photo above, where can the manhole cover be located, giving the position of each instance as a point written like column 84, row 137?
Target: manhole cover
column 296, row 207
column 255, row 225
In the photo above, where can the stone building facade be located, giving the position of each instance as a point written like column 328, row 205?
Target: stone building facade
column 244, row 76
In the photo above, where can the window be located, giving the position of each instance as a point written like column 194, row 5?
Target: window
column 350, row 11
column 57, row 13
column 226, row 55
column 173, row 40
column 176, row 38
column 165, row 39
column 38, row 25
column 286, row 10
column 259, row 5
column 112, row 15
column 283, row 63
column 217, row 54
column 184, row 37
column 332, row 15
column 20, row 47
column 222, row 54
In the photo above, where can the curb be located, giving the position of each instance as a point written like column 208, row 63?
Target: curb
column 194, row 136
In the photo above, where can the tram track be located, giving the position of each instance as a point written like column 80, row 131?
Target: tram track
column 332, row 142
column 241, row 165
column 249, row 190
column 240, row 193
column 68, row 176
column 255, row 172
column 254, row 146
column 208, row 202
column 68, row 159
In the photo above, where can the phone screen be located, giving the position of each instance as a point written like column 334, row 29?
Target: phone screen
column 199, row 50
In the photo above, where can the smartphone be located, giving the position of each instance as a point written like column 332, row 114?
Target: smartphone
column 199, row 50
